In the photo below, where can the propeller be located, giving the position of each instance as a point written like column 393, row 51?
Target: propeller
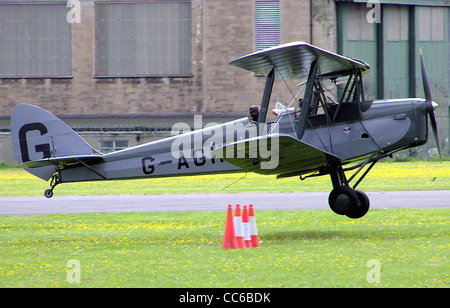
column 430, row 105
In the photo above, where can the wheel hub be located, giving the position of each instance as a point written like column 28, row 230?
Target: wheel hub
column 343, row 201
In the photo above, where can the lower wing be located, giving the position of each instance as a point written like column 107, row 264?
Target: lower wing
column 277, row 154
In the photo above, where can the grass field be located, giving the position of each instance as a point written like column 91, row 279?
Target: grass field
column 384, row 176
column 298, row 248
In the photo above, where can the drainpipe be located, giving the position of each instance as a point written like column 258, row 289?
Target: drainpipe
column 311, row 22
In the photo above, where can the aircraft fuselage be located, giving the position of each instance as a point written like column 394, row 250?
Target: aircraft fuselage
column 382, row 126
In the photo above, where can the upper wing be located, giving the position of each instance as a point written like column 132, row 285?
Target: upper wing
column 293, row 60
column 277, row 154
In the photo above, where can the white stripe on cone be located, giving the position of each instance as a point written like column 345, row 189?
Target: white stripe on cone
column 246, row 227
column 238, row 228
column 252, row 225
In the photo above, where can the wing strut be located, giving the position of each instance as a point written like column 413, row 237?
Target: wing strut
column 309, row 91
column 266, row 98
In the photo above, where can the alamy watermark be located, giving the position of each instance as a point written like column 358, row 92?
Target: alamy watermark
column 374, row 14
column 374, row 274
column 74, row 15
column 74, row 274
column 237, row 139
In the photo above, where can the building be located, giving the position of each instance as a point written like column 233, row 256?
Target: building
column 391, row 45
column 123, row 72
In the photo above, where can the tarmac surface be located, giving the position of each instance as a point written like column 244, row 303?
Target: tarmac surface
column 210, row 202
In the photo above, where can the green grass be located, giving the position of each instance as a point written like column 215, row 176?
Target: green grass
column 418, row 175
column 298, row 249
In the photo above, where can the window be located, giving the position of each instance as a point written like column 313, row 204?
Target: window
column 268, row 24
column 35, row 41
column 431, row 21
column 397, row 18
column 141, row 39
column 108, row 146
column 358, row 27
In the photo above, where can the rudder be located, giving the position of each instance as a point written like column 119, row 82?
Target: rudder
column 37, row 134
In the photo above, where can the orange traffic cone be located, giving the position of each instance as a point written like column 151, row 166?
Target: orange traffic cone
column 229, row 238
column 238, row 227
column 252, row 225
column 245, row 226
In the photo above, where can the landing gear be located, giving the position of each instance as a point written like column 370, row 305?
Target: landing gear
column 364, row 205
column 48, row 193
column 344, row 200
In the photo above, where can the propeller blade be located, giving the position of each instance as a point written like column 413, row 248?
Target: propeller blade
column 435, row 133
column 426, row 83
column 430, row 105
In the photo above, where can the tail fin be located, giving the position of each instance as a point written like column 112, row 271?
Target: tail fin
column 38, row 135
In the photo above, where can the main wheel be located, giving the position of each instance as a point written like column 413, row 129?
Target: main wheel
column 364, row 205
column 343, row 199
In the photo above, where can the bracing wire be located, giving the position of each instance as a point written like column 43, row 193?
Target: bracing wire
column 294, row 98
column 234, row 182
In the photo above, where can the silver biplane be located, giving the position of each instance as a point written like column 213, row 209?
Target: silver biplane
column 326, row 132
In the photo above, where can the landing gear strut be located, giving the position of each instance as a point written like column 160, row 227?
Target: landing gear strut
column 344, row 200
column 48, row 193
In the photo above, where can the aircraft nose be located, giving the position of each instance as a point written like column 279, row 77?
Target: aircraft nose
column 434, row 105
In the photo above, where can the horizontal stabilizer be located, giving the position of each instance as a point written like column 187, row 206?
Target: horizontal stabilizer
column 62, row 161
column 277, row 154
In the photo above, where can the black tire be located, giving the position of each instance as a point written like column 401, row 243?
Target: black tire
column 364, row 205
column 342, row 200
column 48, row 193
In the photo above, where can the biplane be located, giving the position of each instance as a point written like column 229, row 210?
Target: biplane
column 327, row 131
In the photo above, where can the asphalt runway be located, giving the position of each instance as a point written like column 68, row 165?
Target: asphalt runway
column 210, row 202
